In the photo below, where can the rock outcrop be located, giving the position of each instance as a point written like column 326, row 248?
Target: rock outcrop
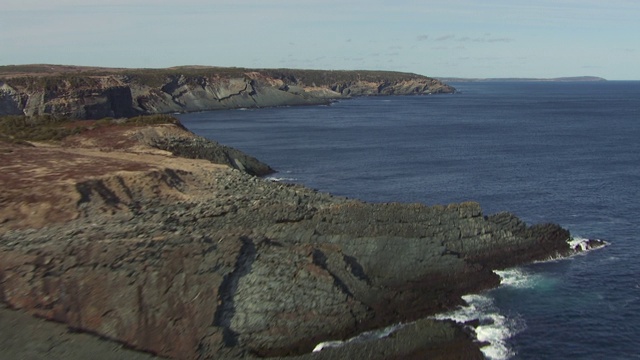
column 185, row 144
column 94, row 93
column 186, row 259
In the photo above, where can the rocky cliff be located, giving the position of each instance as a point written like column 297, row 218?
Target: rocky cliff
column 94, row 93
column 191, row 260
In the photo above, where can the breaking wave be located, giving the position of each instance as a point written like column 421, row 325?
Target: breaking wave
column 280, row 179
column 519, row 278
column 491, row 328
column 365, row 336
column 582, row 244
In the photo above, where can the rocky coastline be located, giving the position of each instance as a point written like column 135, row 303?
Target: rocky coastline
column 93, row 93
column 155, row 238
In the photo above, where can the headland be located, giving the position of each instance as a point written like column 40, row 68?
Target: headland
column 143, row 233
column 94, row 93
column 515, row 79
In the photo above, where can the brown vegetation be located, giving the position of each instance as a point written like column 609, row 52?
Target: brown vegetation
column 49, row 128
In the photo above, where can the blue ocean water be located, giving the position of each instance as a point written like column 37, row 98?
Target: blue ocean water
column 549, row 152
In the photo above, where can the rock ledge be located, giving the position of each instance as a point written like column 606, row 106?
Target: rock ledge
column 121, row 237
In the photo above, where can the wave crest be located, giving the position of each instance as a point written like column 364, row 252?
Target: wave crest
column 489, row 326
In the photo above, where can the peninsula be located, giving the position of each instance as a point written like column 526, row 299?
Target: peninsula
column 94, row 93
column 138, row 231
column 559, row 79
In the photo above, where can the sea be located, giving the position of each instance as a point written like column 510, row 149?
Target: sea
column 562, row 152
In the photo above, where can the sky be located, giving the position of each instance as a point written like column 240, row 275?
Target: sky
column 445, row 38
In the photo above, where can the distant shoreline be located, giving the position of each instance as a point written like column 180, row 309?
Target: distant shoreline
column 559, row 79
column 93, row 93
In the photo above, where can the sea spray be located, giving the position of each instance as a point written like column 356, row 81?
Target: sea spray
column 490, row 327
column 580, row 244
column 365, row 336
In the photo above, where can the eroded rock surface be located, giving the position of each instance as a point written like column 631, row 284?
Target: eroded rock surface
column 94, row 93
column 190, row 260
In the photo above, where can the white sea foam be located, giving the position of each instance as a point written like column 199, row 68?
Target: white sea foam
column 579, row 243
column 328, row 344
column 493, row 328
column 280, row 179
column 365, row 336
column 517, row 278
column 475, row 306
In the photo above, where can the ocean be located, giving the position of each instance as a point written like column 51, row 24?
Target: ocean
column 560, row 152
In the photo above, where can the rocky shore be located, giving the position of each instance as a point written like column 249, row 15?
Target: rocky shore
column 94, row 93
column 169, row 244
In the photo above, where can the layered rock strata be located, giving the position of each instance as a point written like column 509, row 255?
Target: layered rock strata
column 190, row 260
column 94, row 93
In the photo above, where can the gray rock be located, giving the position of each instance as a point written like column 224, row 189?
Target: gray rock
column 125, row 93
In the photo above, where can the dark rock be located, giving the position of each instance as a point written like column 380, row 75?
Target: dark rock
column 201, row 148
column 423, row 339
column 11, row 102
column 228, row 265
column 227, row 276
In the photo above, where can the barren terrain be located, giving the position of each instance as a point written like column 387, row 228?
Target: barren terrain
column 155, row 238
column 40, row 181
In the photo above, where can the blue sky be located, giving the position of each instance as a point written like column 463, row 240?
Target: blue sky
column 461, row 38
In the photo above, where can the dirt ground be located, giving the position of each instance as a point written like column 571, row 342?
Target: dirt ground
column 38, row 186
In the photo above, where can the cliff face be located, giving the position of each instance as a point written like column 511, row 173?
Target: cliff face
column 188, row 259
column 90, row 93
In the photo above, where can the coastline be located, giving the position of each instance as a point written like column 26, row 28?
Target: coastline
column 351, row 266
column 94, row 93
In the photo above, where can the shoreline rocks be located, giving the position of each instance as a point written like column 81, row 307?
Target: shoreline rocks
column 212, row 262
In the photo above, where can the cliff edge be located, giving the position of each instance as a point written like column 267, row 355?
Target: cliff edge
column 112, row 232
column 94, row 93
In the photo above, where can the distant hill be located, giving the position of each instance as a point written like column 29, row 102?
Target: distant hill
column 559, row 79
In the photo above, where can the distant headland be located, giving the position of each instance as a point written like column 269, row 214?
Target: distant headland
column 80, row 92
column 558, row 79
